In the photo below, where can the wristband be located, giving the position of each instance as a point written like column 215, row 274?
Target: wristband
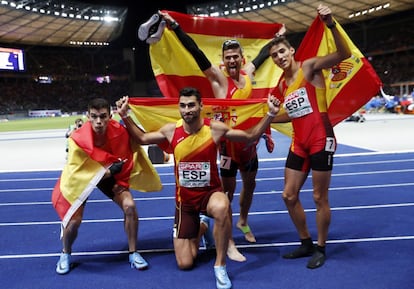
column 271, row 114
column 174, row 25
column 332, row 25
column 124, row 115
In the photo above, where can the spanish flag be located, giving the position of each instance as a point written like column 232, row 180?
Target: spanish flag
column 153, row 113
column 351, row 83
column 175, row 68
column 87, row 164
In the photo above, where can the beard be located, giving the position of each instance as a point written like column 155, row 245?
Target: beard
column 191, row 117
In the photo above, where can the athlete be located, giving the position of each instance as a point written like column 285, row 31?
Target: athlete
column 194, row 141
column 232, row 82
column 302, row 91
column 104, row 143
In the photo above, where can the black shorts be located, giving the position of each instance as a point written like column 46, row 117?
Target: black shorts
column 320, row 161
column 106, row 186
column 251, row 166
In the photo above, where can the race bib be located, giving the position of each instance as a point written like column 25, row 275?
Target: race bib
column 330, row 144
column 225, row 162
column 194, row 174
column 297, row 103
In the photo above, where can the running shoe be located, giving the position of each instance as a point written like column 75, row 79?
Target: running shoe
column 222, row 279
column 158, row 34
column 208, row 238
column 300, row 252
column 148, row 28
column 270, row 145
column 137, row 261
column 63, row 265
column 317, row 260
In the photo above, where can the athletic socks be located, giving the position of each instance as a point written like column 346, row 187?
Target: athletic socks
column 306, row 249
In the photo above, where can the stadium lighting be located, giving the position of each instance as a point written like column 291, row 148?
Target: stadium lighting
column 369, row 10
column 218, row 8
column 62, row 8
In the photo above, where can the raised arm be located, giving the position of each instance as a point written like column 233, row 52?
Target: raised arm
column 213, row 73
column 342, row 49
column 252, row 66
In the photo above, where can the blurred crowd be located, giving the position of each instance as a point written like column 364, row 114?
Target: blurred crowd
column 77, row 75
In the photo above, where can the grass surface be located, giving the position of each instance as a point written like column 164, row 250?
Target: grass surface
column 41, row 123
column 38, row 123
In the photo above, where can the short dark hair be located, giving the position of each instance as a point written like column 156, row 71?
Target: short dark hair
column 99, row 103
column 278, row 40
column 191, row 91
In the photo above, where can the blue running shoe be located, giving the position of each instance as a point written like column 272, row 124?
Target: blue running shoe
column 208, row 238
column 137, row 261
column 63, row 265
column 222, row 279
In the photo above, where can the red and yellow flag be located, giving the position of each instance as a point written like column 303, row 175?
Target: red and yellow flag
column 87, row 164
column 351, row 83
column 175, row 68
column 153, row 113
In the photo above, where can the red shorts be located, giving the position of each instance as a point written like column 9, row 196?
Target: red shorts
column 187, row 218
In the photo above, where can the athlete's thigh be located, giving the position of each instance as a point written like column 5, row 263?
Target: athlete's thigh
column 294, row 180
column 321, row 181
column 248, row 178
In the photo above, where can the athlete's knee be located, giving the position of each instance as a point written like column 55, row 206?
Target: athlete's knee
column 185, row 263
column 129, row 208
column 289, row 198
column 320, row 199
column 249, row 185
column 73, row 225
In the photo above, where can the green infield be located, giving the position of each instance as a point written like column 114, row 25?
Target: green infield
column 40, row 123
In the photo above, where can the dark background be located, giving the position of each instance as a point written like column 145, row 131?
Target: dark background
column 138, row 13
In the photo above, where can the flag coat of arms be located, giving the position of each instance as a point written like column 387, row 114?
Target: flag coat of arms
column 153, row 113
column 350, row 84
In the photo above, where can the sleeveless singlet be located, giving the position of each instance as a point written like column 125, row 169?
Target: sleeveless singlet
column 239, row 151
column 195, row 157
column 234, row 92
column 306, row 105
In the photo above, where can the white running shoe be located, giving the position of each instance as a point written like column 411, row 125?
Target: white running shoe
column 137, row 261
column 63, row 265
column 222, row 279
column 157, row 35
column 148, row 28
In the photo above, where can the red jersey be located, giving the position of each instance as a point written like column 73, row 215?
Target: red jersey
column 195, row 160
column 239, row 152
column 306, row 106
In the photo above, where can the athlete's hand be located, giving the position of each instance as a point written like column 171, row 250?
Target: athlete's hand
column 122, row 106
column 325, row 14
column 274, row 104
column 116, row 167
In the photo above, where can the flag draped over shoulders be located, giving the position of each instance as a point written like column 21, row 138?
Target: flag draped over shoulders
column 87, row 164
column 175, row 68
column 351, row 83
